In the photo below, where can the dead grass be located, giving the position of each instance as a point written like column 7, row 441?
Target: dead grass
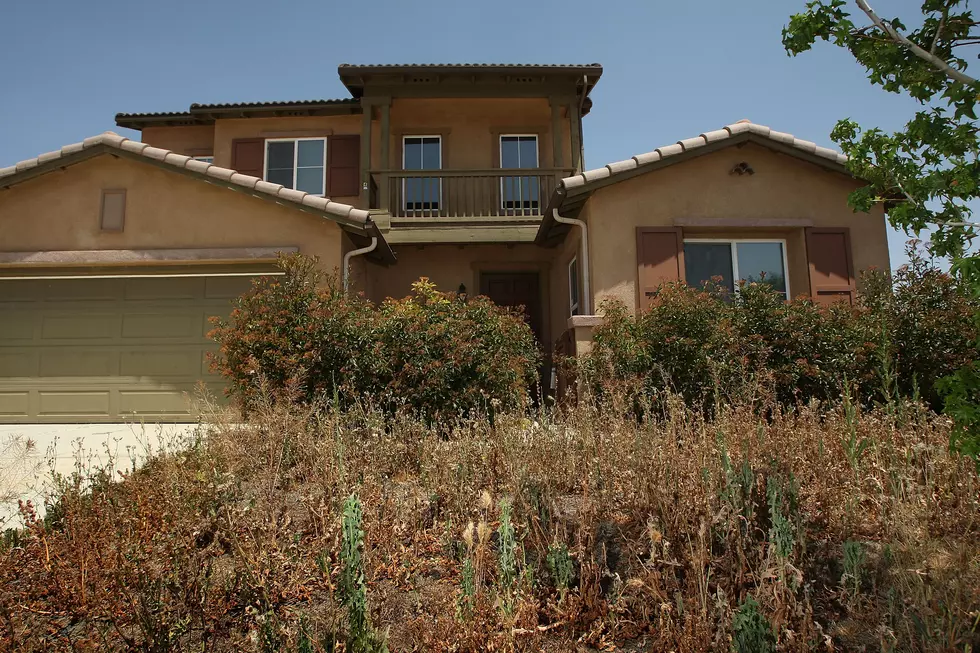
column 234, row 543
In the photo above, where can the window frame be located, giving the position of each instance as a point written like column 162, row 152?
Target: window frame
column 734, row 241
column 295, row 140
column 421, row 137
column 537, row 161
column 573, row 283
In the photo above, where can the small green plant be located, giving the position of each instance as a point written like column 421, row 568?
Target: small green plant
column 751, row 631
column 783, row 514
column 560, row 567
column 467, row 598
column 353, row 589
column 854, row 445
column 854, row 561
column 506, row 559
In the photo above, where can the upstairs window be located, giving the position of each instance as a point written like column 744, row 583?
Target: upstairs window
column 573, row 291
column 519, row 193
column 422, row 153
column 298, row 163
column 726, row 262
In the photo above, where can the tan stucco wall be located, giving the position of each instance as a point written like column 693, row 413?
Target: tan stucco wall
column 60, row 211
column 563, row 254
column 195, row 140
column 782, row 187
column 470, row 127
column 447, row 266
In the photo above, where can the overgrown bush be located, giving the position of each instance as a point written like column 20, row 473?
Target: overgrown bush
column 299, row 336
column 903, row 335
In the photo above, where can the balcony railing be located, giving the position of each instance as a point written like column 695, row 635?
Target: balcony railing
column 457, row 194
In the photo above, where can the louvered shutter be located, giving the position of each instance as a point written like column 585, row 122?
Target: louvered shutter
column 659, row 258
column 828, row 252
column 248, row 156
column 343, row 166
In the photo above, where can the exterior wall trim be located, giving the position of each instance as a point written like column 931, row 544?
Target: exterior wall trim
column 142, row 256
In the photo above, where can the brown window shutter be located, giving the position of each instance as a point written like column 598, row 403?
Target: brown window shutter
column 828, row 252
column 343, row 166
column 659, row 258
column 248, row 156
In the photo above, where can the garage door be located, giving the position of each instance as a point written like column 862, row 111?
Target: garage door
column 108, row 349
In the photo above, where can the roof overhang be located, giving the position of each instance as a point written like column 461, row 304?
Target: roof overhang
column 471, row 80
column 356, row 222
column 571, row 193
column 206, row 114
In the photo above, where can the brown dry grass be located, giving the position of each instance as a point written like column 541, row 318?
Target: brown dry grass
column 233, row 544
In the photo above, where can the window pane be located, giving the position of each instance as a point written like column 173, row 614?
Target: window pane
column 510, row 156
column 431, row 154
column 573, row 286
column 284, row 177
column 280, row 155
column 704, row 261
column 762, row 261
column 310, row 154
column 529, row 151
column 413, row 154
column 310, row 180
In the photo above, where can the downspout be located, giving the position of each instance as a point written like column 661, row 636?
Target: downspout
column 586, row 268
column 356, row 252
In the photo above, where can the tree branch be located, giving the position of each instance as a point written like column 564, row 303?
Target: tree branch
column 939, row 29
column 900, row 39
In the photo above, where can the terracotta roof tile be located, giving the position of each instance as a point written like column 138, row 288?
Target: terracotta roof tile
column 667, row 151
column 179, row 161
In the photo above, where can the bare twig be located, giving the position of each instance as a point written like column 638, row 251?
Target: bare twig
column 902, row 40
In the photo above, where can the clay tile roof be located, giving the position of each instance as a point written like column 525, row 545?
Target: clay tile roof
column 680, row 147
column 582, row 184
column 343, row 213
column 276, row 104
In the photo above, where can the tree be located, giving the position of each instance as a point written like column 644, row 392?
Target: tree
column 926, row 174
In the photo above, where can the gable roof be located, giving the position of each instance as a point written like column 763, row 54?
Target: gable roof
column 356, row 222
column 572, row 192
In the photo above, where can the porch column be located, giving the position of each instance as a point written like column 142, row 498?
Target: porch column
column 385, row 162
column 368, row 107
column 557, row 134
column 574, row 122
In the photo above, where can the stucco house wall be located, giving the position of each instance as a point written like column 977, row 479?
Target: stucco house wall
column 703, row 188
column 61, row 211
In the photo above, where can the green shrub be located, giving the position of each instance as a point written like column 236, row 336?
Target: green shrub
column 903, row 335
column 299, row 336
column 751, row 631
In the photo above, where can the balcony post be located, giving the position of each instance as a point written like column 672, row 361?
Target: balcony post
column 367, row 104
column 574, row 122
column 557, row 134
column 384, row 190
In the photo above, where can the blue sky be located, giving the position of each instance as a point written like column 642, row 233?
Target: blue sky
column 672, row 69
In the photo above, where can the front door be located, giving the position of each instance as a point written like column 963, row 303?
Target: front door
column 515, row 289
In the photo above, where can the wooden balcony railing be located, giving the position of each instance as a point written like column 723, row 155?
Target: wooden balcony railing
column 457, row 194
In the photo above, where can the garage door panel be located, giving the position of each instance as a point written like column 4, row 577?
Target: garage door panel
column 160, row 325
column 155, row 402
column 19, row 362
column 175, row 288
column 15, row 403
column 160, row 362
column 83, row 289
column 72, row 326
column 106, row 350
column 226, row 287
column 73, row 403
column 64, row 362
column 15, row 326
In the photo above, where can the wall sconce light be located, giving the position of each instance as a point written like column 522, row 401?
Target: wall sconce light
column 461, row 292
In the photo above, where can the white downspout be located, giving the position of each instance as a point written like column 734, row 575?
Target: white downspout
column 356, row 252
column 586, row 268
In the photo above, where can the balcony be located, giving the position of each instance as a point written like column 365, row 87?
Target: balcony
column 504, row 195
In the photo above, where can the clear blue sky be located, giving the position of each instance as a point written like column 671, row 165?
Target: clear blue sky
column 672, row 69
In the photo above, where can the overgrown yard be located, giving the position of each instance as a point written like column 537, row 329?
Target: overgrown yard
column 586, row 530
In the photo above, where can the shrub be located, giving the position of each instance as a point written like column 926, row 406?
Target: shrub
column 299, row 336
column 903, row 335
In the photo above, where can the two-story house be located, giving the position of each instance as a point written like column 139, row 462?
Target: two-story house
column 114, row 251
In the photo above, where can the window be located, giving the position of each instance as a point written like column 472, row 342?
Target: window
column 519, row 193
column 573, row 296
column 298, row 163
column 736, row 260
column 206, row 159
column 422, row 153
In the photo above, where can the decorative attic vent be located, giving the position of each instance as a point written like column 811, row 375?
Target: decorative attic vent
column 421, row 80
column 524, row 80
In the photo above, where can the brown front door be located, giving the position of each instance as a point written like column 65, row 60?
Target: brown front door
column 515, row 289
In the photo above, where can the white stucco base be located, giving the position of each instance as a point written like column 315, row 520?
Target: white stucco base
column 30, row 454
